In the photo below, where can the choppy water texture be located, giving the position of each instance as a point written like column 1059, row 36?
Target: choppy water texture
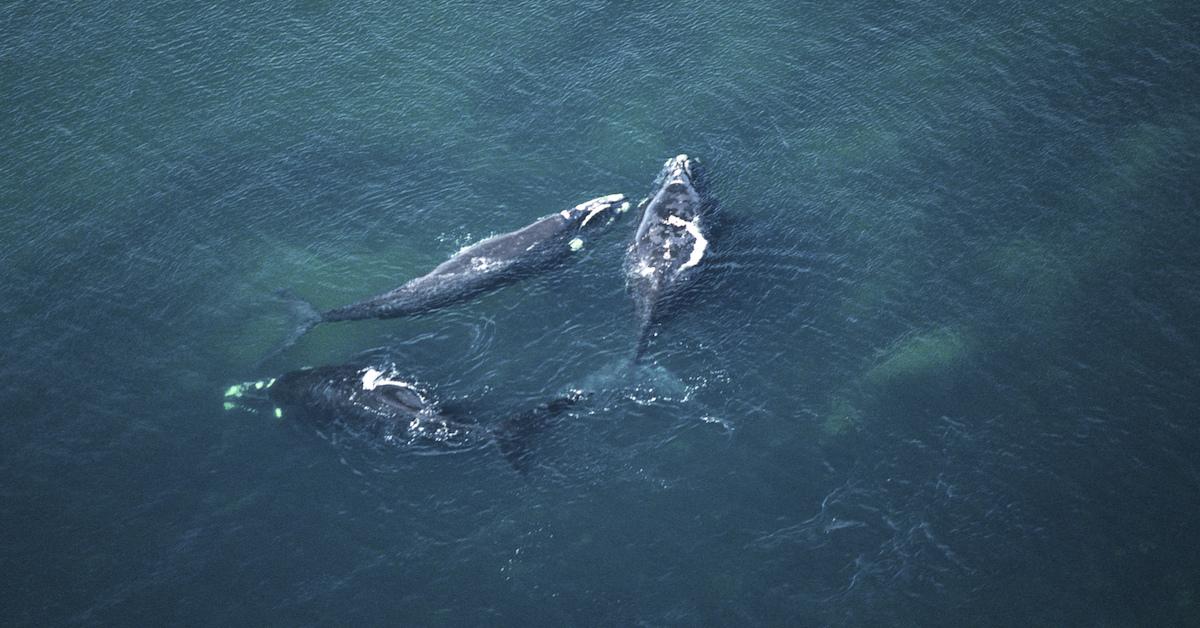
column 941, row 370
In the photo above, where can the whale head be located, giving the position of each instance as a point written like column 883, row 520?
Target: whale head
column 678, row 189
column 601, row 211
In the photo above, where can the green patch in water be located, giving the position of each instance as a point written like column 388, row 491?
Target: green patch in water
column 843, row 418
column 932, row 354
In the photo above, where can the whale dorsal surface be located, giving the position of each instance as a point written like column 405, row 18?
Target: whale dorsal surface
column 671, row 243
column 490, row 263
column 382, row 406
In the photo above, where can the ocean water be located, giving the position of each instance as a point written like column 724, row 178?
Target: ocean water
column 941, row 367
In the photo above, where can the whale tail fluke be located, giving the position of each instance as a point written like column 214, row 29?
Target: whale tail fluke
column 304, row 311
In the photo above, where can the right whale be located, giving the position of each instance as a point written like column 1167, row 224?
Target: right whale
column 671, row 240
column 476, row 269
column 377, row 404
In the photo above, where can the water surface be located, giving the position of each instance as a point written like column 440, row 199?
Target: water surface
column 941, row 369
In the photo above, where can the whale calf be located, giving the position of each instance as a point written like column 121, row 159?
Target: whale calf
column 670, row 244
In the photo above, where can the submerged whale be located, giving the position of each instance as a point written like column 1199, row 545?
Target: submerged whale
column 378, row 405
column 670, row 244
column 483, row 266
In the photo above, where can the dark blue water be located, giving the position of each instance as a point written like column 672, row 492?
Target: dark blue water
column 940, row 370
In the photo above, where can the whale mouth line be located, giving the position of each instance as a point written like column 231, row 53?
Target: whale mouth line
column 592, row 213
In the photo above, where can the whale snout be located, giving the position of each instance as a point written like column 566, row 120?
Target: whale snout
column 679, row 174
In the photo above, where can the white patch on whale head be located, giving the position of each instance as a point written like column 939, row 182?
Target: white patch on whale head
column 575, row 244
column 595, row 207
column 679, row 170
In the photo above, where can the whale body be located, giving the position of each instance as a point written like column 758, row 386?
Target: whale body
column 670, row 244
column 475, row 269
column 379, row 405
column 490, row 263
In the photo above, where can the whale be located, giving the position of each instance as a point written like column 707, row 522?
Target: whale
column 378, row 404
column 669, row 247
column 480, row 267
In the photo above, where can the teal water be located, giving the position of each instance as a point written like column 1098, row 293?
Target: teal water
column 941, row 370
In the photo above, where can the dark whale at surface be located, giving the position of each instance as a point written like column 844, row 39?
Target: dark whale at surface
column 670, row 245
column 379, row 406
column 478, row 268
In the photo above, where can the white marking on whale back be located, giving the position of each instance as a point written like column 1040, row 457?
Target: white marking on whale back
column 373, row 379
column 485, row 263
column 701, row 242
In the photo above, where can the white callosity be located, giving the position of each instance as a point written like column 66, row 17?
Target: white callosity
column 595, row 206
column 237, row 390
